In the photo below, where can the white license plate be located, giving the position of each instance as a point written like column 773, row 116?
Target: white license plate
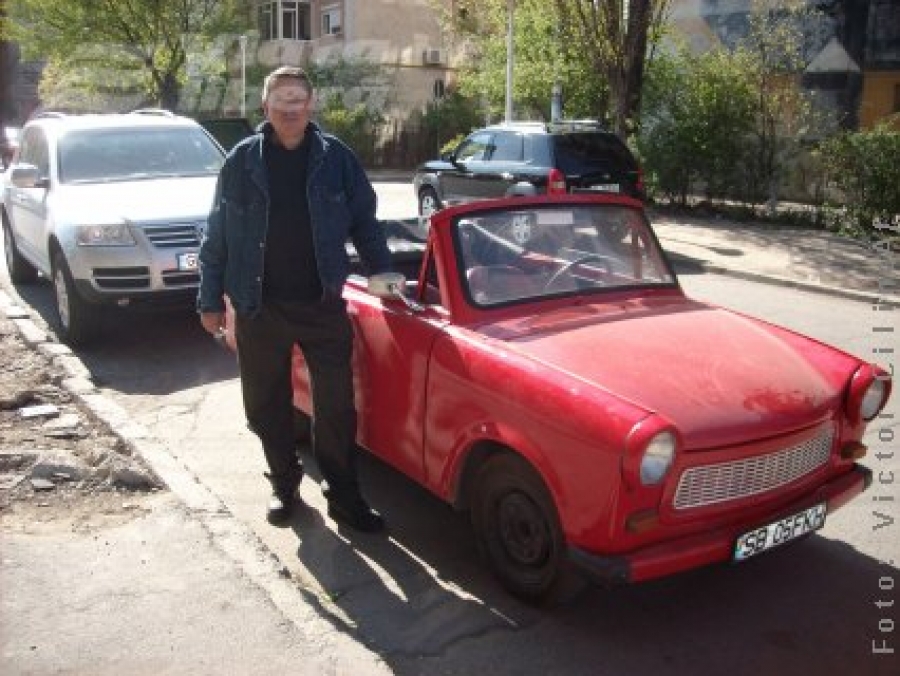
column 604, row 187
column 188, row 261
column 767, row 537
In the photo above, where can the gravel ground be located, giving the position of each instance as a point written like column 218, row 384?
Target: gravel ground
column 60, row 467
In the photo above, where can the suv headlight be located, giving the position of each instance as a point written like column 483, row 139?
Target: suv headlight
column 104, row 235
column 657, row 458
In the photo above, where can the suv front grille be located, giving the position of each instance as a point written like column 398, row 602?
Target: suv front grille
column 175, row 235
column 122, row 279
column 176, row 278
column 713, row 484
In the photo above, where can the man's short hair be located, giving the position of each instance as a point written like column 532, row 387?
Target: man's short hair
column 283, row 73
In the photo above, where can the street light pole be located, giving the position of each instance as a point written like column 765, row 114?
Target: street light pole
column 511, row 8
column 243, row 41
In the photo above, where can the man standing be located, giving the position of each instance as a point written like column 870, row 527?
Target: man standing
column 288, row 198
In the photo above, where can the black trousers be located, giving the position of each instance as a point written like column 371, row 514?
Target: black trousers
column 325, row 336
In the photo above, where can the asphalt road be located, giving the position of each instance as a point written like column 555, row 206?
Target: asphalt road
column 420, row 596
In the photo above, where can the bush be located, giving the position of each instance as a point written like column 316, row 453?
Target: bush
column 356, row 126
column 863, row 172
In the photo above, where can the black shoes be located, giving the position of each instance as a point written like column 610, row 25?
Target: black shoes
column 280, row 508
column 284, row 494
column 357, row 515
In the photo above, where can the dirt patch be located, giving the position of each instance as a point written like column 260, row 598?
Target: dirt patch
column 60, row 466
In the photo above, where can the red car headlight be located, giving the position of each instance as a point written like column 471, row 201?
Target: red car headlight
column 869, row 391
column 650, row 452
column 657, row 458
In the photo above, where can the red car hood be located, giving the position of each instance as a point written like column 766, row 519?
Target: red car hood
column 721, row 378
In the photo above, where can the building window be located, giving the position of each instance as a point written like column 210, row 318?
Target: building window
column 331, row 20
column 284, row 20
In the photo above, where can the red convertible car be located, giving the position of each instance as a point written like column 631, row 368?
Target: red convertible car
column 543, row 369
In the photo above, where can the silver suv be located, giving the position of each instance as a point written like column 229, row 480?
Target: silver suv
column 111, row 208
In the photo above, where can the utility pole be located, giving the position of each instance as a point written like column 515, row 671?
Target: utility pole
column 243, row 41
column 511, row 8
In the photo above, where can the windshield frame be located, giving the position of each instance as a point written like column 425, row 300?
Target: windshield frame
column 515, row 255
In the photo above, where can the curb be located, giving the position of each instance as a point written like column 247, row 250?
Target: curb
column 812, row 287
column 313, row 618
column 766, row 278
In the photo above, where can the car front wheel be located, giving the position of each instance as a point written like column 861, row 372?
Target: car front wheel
column 20, row 270
column 428, row 202
column 79, row 320
column 517, row 527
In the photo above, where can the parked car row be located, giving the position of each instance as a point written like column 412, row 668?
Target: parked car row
column 111, row 208
column 543, row 370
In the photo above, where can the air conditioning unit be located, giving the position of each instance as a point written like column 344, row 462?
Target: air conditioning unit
column 433, row 57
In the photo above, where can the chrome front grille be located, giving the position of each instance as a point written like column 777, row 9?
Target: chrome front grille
column 175, row 235
column 713, row 484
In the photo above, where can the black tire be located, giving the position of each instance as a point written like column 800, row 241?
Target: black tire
column 428, row 202
column 517, row 527
column 78, row 321
column 20, row 270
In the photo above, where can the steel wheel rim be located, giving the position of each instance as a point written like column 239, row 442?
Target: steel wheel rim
column 523, row 530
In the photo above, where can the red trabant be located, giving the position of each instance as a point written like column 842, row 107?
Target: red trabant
column 544, row 370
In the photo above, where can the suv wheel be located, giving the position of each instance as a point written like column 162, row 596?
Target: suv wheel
column 78, row 319
column 20, row 270
column 428, row 202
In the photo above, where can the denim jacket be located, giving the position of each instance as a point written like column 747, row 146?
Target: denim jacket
column 341, row 205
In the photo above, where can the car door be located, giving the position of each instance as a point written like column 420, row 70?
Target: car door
column 27, row 206
column 505, row 163
column 468, row 179
column 392, row 348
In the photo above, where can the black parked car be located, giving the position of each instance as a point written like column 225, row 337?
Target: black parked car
column 228, row 131
column 560, row 157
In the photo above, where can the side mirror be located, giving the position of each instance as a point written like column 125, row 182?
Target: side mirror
column 390, row 285
column 387, row 284
column 25, row 176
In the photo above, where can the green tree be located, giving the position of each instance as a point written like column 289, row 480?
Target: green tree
column 96, row 43
column 779, row 30
column 449, row 118
column 614, row 35
column 864, row 168
column 355, row 125
column 698, row 115
column 595, row 51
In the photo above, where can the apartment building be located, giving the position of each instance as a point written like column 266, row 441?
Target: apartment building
column 402, row 36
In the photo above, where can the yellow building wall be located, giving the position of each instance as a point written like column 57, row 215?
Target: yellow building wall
column 881, row 90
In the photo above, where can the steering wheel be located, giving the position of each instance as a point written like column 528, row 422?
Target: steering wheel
column 566, row 268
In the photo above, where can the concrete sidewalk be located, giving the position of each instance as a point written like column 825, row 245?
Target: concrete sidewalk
column 814, row 260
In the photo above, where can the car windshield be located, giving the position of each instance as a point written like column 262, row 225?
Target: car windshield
column 99, row 156
column 542, row 251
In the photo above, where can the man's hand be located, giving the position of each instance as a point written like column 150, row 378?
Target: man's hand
column 213, row 322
